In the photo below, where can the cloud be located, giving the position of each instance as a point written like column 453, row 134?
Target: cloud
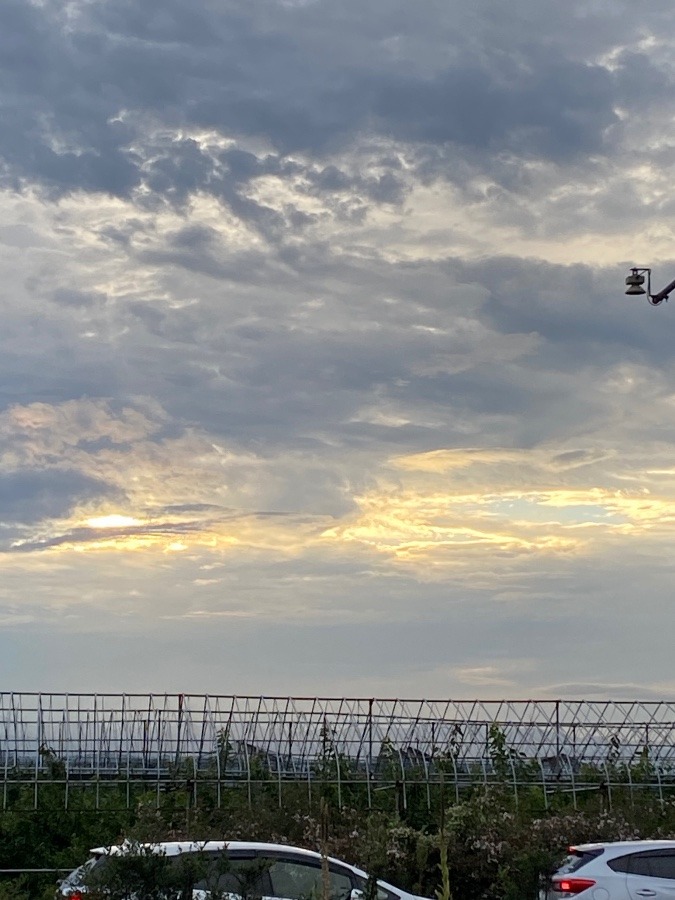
column 427, row 88
column 480, row 678
column 30, row 497
column 314, row 338
column 617, row 691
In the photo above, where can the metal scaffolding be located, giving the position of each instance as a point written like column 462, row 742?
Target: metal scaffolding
column 226, row 741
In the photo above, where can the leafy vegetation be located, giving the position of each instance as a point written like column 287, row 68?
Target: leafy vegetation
column 493, row 840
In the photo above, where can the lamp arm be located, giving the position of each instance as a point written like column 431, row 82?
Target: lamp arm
column 655, row 299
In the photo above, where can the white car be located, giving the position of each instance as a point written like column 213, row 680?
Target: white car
column 620, row 870
column 259, row 870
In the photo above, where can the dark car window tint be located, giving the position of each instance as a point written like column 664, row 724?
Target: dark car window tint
column 663, row 865
column 299, row 880
column 621, row 863
column 653, row 863
column 244, row 877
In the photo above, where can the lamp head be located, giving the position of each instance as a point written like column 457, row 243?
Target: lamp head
column 634, row 283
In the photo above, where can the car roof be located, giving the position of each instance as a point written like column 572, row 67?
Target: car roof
column 624, row 845
column 173, row 848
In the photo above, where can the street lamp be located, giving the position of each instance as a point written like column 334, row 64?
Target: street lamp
column 636, row 279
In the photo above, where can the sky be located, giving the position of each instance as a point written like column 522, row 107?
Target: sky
column 317, row 375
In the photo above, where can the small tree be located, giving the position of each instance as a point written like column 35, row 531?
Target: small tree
column 145, row 872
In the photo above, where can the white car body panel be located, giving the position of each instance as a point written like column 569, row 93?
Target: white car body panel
column 642, row 887
column 617, row 885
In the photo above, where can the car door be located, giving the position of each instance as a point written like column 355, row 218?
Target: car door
column 301, row 878
column 650, row 875
column 237, row 875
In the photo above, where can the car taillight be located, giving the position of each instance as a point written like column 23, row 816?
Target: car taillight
column 572, row 885
column 76, row 896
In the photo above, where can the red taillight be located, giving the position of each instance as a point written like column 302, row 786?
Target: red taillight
column 76, row 896
column 572, row 885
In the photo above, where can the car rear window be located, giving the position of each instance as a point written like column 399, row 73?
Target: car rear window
column 577, row 859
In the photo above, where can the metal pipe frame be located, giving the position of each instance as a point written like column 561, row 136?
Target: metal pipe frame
column 99, row 741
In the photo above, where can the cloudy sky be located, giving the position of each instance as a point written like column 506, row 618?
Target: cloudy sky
column 316, row 370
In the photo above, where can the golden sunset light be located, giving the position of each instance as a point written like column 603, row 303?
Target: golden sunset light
column 112, row 521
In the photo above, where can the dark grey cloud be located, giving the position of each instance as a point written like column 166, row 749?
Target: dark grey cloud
column 72, row 368
column 572, row 307
column 28, row 496
column 247, row 363
column 554, row 109
column 261, row 370
column 81, row 92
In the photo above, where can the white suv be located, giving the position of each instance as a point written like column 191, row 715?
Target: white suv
column 267, row 871
column 621, row 870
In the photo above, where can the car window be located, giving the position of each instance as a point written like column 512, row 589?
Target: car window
column 652, row 863
column 381, row 894
column 621, row 863
column 663, row 864
column 114, row 872
column 576, row 860
column 240, row 875
column 302, row 880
